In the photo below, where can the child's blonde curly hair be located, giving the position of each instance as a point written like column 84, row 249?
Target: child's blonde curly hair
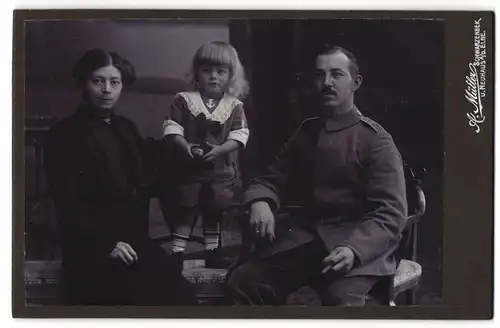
column 221, row 53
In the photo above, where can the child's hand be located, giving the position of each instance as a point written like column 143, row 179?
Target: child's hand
column 212, row 155
column 196, row 152
column 191, row 150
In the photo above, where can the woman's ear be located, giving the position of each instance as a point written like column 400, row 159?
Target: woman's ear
column 358, row 80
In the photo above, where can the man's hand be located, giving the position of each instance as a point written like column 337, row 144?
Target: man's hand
column 340, row 259
column 124, row 252
column 262, row 220
column 214, row 152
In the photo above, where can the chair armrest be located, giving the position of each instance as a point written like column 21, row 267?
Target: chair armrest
column 414, row 218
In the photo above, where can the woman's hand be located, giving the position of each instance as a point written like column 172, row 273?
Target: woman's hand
column 124, row 252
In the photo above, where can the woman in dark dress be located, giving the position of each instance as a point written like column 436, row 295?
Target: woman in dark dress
column 99, row 178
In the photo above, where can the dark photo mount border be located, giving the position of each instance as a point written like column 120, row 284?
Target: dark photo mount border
column 468, row 174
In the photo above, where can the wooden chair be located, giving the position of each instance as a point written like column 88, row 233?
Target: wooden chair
column 41, row 233
column 409, row 272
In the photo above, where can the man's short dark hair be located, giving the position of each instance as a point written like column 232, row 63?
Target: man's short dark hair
column 329, row 49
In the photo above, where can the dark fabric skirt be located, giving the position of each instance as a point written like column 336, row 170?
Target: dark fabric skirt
column 152, row 280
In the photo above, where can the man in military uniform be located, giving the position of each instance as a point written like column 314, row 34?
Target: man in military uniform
column 346, row 172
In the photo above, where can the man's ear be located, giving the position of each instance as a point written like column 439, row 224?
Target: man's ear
column 356, row 83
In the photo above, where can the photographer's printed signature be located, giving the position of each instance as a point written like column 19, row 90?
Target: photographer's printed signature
column 475, row 81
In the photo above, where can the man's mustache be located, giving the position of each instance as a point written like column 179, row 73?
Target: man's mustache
column 327, row 91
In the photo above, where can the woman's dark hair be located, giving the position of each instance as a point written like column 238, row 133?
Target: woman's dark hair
column 97, row 58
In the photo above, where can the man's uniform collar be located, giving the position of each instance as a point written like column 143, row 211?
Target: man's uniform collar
column 352, row 117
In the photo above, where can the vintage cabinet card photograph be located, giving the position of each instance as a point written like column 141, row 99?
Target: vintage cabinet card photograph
column 253, row 164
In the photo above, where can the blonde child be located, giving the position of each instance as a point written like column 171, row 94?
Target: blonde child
column 207, row 127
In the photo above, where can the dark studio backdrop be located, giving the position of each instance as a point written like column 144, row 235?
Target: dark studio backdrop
column 402, row 63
